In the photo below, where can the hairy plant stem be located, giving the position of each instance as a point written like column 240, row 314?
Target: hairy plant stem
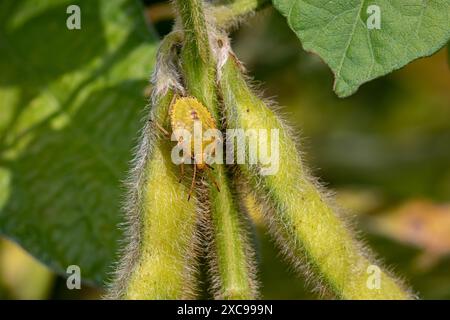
column 305, row 226
column 230, row 256
column 228, row 13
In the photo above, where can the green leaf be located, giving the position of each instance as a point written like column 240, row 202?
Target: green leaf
column 337, row 31
column 71, row 104
column 448, row 53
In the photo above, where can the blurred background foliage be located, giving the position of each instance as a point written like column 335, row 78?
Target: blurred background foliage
column 385, row 152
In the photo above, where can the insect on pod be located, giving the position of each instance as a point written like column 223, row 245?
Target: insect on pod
column 187, row 114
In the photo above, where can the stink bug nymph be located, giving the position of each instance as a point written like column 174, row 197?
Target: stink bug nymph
column 185, row 113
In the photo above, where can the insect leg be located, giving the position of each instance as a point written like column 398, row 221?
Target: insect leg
column 212, row 178
column 193, row 182
column 164, row 131
column 182, row 172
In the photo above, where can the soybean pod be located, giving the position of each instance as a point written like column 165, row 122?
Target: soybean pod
column 308, row 230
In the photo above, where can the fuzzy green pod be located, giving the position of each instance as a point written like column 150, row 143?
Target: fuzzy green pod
column 159, row 258
column 230, row 256
column 307, row 229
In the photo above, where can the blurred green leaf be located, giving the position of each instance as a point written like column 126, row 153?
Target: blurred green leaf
column 338, row 33
column 448, row 53
column 70, row 110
